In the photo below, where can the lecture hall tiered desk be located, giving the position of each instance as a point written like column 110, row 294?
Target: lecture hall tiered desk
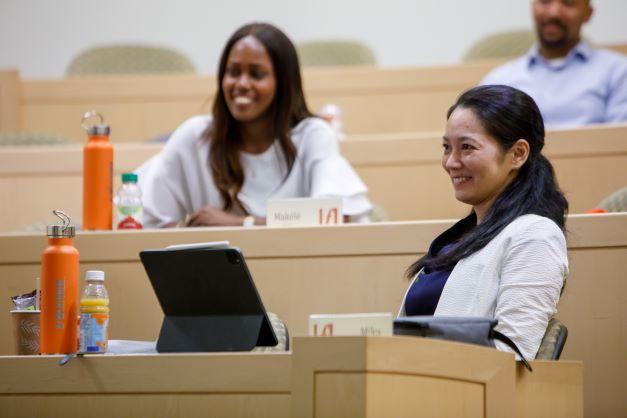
column 142, row 107
column 322, row 377
column 403, row 173
column 339, row 269
column 353, row 268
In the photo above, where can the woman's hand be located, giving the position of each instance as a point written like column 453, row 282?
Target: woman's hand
column 210, row 216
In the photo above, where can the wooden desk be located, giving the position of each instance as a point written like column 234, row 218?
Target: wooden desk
column 590, row 163
column 404, row 171
column 323, row 377
column 143, row 107
column 165, row 385
column 409, row 377
column 351, row 268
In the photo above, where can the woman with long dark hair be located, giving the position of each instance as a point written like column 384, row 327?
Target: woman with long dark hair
column 261, row 142
column 507, row 259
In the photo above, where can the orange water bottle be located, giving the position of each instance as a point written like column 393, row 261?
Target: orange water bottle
column 97, row 175
column 59, row 290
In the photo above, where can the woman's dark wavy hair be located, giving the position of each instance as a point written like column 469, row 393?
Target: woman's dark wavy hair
column 287, row 110
column 507, row 114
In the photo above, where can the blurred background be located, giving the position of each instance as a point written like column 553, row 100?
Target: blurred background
column 40, row 38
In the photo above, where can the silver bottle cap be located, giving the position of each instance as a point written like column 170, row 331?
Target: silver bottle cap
column 61, row 231
column 97, row 129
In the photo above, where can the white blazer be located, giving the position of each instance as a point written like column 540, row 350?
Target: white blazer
column 516, row 279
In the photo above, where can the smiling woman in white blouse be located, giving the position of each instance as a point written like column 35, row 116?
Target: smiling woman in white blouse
column 260, row 142
column 507, row 260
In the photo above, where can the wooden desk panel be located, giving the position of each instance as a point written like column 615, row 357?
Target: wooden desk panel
column 322, row 377
column 403, row 173
column 9, row 101
column 408, row 377
column 175, row 385
column 143, row 107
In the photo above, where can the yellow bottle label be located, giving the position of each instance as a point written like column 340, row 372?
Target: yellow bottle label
column 100, row 305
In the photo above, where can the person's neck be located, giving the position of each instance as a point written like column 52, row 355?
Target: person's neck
column 480, row 213
column 256, row 136
column 482, row 209
column 555, row 52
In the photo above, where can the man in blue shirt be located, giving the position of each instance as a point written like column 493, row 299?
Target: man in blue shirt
column 572, row 83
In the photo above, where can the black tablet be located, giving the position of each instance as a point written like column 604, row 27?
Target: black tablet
column 209, row 300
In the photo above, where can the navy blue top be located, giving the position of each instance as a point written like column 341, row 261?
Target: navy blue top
column 424, row 294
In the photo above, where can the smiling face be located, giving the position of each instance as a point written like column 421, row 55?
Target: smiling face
column 249, row 84
column 558, row 22
column 478, row 167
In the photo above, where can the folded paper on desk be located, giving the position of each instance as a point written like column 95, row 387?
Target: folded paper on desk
column 131, row 347
column 199, row 245
column 304, row 211
column 362, row 324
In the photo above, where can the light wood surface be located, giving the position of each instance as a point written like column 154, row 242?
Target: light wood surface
column 590, row 163
column 351, row 268
column 622, row 48
column 414, row 377
column 322, row 377
column 363, row 377
column 553, row 389
column 10, row 101
column 174, row 385
column 404, row 174
column 142, row 107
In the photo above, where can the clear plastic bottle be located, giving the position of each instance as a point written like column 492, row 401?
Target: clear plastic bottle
column 94, row 318
column 129, row 203
column 332, row 113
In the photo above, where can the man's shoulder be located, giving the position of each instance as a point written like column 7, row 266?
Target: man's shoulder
column 610, row 66
column 610, row 57
column 507, row 72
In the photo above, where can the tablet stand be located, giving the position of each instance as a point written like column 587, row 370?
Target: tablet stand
column 210, row 333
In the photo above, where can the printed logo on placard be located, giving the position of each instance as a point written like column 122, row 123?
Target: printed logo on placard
column 327, row 330
column 329, row 217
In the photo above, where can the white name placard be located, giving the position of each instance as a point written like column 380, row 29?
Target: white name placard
column 365, row 324
column 304, row 212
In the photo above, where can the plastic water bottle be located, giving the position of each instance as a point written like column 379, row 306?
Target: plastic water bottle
column 94, row 319
column 332, row 113
column 129, row 203
column 59, row 289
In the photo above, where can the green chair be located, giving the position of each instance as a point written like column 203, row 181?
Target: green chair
column 616, row 202
column 335, row 53
column 24, row 139
column 504, row 45
column 129, row 59
column 553, row 341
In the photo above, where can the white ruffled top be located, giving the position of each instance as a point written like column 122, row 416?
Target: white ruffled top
column 178, row 181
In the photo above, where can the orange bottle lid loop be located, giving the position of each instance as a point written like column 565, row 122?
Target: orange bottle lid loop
column 99, row 129
column 66, row 230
